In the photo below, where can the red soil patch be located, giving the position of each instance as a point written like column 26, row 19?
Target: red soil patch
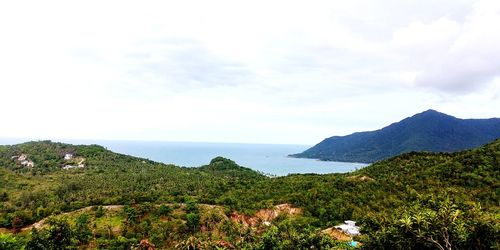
column 265, row 215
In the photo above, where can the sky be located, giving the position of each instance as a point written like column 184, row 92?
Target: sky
column 285, row 72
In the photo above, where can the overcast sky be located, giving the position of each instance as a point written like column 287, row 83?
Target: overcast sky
column 242, row 71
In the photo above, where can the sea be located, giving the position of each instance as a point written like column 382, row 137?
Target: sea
column 270, row 159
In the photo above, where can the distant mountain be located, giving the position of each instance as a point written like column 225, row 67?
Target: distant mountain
column 427, row 131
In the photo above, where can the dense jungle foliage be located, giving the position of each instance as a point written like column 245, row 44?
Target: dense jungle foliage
column 412, row 201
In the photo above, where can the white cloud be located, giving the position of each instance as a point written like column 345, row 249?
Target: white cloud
column 259, row 71
column 456, row 58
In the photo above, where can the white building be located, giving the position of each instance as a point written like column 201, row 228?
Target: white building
column 68, row 156
column 349, row 227
column 22, row 157
column 80, row 165
column 27, row 163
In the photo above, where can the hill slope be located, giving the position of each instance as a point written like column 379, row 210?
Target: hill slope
column 427, row 131
column 374, row 196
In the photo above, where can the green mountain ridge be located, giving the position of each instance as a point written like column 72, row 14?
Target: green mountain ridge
column 427, row 131
column 380, row 197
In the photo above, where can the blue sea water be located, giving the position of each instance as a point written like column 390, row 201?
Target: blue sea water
column 267, row 158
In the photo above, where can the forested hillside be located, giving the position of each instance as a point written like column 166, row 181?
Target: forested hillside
column 114, row 201
column 427, row 131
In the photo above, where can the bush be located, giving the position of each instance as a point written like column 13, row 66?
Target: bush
column 9, row 242
column 164, row 210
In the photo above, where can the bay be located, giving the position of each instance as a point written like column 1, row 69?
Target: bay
column 270, row 159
